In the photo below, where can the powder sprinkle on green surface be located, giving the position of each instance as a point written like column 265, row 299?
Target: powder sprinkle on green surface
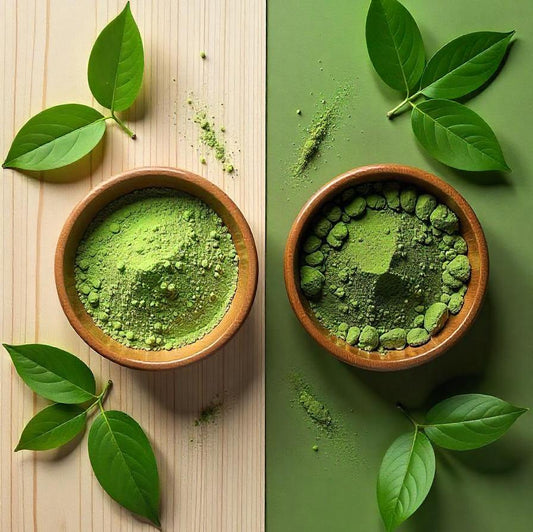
column 323, row 122
column 315, row 410
column 156, row 269
column 383, row 266
column 316, row 134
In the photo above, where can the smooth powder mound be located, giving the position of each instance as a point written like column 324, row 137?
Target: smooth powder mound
column 384, row 267
column 156, row 269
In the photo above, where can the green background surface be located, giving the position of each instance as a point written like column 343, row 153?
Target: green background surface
column 315, row 47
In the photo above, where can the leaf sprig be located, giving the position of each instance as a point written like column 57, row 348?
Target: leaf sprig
column 121, row 456
column 63, row 134
column 451, row 132
column 459, row 423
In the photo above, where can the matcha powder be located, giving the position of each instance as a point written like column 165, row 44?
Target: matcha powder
column 156, row 269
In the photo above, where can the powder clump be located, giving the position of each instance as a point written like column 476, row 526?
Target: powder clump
column 315, row 410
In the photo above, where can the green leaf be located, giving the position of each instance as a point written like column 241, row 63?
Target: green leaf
column 405, row 478
column 464, row 64
column 53, row 373
column 394, row 44
column 56, row 137
column 116, row 64
column 470, row 421
column 52, row 427
column 124, row 463
column 457, row 136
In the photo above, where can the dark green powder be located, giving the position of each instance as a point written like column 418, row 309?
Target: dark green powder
column 315, row 410
column 209, row 414
column 383, row 267
column 156, row 269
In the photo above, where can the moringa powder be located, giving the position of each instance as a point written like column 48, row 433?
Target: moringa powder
column 383, row 266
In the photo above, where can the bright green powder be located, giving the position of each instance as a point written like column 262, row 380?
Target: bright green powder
column 156, row 269
column 384, row 267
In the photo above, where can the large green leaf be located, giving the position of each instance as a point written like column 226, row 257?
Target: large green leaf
column 464, row 64
column 116, row 64
column 394, row 44
column 52, row 427
column 470, row 421
column 53, row 373
column 56, row 137
column 457, row 136
column 124, row 463
column 405, row 478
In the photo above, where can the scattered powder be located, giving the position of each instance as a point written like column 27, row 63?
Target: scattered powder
column 210, row 139
column 336, row 441
column 156, row 269
column 315, row 410
column 209, row 414
column 321, row 125
column 316, row 134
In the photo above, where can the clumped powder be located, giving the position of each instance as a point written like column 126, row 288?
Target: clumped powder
column 384, row 266
column 156, row 269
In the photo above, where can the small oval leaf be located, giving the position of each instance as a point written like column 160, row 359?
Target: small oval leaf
column 53, row 373
column 405, row 478
column 56, row 137
column 124, row 463
column 394, row 44
column 52, row 427
column 457, row 136
column 464, row 64
column 470, row 421
column 116, row 63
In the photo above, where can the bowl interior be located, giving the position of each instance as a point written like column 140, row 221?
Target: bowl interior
column 456, row 325
column 74, row 230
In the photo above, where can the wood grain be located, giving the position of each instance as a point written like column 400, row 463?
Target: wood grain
column 212, row 475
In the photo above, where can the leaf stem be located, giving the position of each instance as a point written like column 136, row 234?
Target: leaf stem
column 393, row 112
column 123, row 126
column 407, row 415
column 105, row 391
column 99, row 399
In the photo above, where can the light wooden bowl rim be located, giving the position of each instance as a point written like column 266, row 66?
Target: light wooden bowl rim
column 115, row 187
column 456, row 326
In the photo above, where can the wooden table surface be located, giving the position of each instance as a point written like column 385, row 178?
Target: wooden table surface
column 212, row 476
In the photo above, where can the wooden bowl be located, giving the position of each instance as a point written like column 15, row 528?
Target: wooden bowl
column 75, row 227
column 456, row 326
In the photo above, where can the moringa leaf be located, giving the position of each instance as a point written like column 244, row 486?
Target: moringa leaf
column 394, row 44
column 470, row 421
column 457, row 136
column 53, row 373
column 56, row 137
column 116, row 63
column 405, row 478
column 124, row 463
column 52, row 427
column 464, row 64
